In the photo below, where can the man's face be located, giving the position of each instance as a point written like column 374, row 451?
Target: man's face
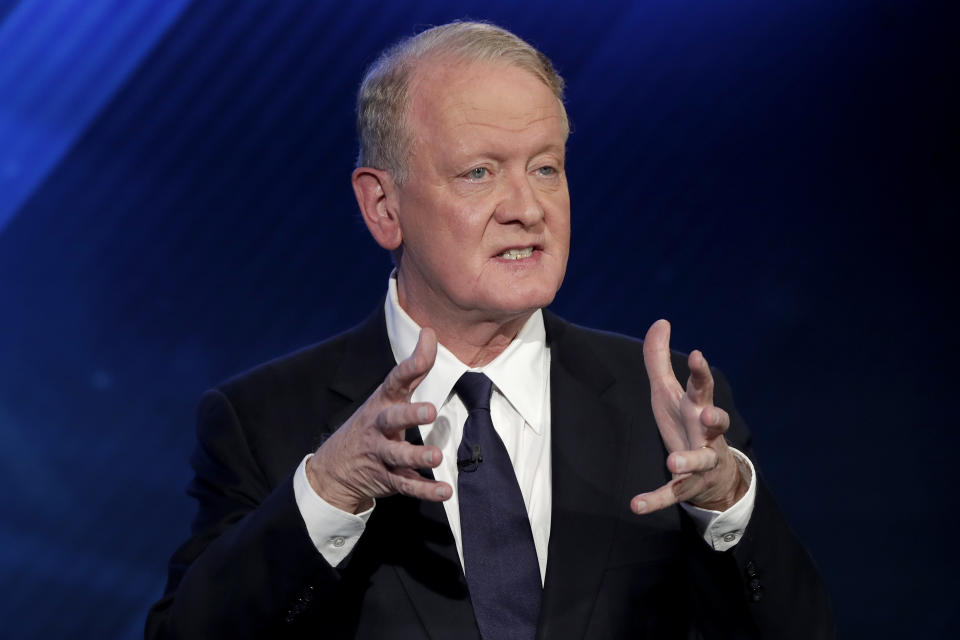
column 485, row 212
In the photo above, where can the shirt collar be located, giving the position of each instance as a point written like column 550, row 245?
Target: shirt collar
column 520, row 373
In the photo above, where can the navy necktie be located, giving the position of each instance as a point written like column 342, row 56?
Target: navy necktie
column 499, row 557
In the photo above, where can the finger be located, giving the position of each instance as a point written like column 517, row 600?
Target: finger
column 398, row 455
column 656, row 354
column 693, row 461
column 700, row 382
column 716, row 421
column 677, row 490
column 410, row 483
column 404, row 378
column 396, row 417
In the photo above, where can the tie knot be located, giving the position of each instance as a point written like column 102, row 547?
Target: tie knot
column 474, row 389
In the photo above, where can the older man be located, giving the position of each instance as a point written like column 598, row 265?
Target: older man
column 479, row 467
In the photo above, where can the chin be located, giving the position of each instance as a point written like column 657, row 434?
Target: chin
column 525, row 299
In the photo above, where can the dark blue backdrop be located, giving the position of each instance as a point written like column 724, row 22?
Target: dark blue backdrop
column 775, row 178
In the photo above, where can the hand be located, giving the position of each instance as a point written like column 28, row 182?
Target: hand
column 368, row 457
column 705, row 471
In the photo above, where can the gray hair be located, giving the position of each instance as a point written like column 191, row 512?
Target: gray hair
column 383, row 98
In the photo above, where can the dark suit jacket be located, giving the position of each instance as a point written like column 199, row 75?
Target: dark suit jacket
column 250, row 569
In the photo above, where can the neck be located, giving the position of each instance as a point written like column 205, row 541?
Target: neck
column 473, row 338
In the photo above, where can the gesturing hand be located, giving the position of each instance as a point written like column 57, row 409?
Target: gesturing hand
column 368, row 457
column 705, row 472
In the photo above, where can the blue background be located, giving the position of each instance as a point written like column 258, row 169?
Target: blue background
column 778, row 179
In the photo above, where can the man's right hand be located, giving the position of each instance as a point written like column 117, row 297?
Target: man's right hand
column 368, row 457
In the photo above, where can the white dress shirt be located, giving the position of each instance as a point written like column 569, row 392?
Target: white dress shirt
column 520, row 410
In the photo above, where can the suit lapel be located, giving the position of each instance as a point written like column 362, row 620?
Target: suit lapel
column 603, row 433
column 588, row 443
column 432, row 575
column 366, row 361
column 428, row 568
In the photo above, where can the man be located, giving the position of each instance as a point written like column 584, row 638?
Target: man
column 402, row 522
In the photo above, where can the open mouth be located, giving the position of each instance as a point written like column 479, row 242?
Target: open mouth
column 516, row 254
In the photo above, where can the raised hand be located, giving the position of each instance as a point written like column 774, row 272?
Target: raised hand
column 368, row 457
column 705, row 471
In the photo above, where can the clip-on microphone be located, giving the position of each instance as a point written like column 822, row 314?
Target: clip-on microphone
column 471, row 464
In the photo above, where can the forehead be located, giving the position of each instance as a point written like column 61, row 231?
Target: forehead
column 462, row 99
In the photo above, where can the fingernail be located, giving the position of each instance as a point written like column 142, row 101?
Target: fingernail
column 681, row 462
column 422, row 413
column 641, row 506
column 428, row 457
column 442, row 492
column 714, row 416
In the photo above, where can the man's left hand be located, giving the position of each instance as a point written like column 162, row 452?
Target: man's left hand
column 705, row 471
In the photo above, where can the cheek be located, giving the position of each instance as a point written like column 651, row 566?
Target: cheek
column 559, row 224
column 425, row 229
column 464, row 234
column 455, row 249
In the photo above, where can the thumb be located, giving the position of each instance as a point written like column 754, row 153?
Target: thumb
column 408, row 374
column 656, row 353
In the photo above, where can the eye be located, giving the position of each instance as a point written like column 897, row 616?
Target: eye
column 477, row 173
column 547, row 171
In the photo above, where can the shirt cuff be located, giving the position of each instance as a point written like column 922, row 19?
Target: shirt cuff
column 722, row 530
column 334, row 532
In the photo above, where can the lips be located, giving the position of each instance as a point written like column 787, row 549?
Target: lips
column 516, row 254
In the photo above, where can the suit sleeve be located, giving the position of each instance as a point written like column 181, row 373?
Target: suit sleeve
column 767, row 586
column 249, row 568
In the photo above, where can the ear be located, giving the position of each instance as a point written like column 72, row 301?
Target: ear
column 377, row 196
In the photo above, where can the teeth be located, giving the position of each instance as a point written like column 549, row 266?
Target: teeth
column 517, row 254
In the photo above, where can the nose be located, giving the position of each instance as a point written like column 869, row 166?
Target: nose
column 520, row 203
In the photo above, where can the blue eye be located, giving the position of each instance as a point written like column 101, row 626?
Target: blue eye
column 547, row 171
column 478, row 173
